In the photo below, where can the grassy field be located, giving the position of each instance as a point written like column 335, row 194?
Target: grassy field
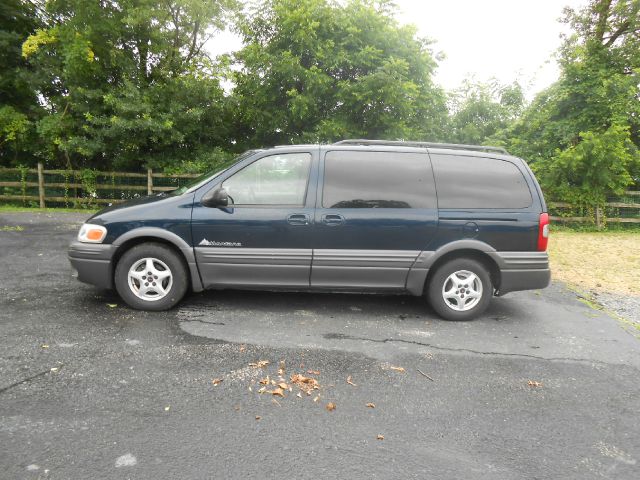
column 11, row 208
column 602, row 261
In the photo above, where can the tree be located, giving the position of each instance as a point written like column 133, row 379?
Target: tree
column 18, row 103
column 589, row 120
column 600, row 164
column 127, row 83
column 320, row 70
column 480, row 110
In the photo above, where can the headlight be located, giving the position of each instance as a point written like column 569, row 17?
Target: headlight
column 92, row 233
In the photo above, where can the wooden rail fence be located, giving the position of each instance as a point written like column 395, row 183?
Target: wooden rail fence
column 599, row 216
column 151, row 188
column 42, row 185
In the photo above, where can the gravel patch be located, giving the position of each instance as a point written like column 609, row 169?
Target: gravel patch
column 627, row 306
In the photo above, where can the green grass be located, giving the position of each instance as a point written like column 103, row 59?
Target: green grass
column 15, row 209
column 11, row 228
column 590, row 228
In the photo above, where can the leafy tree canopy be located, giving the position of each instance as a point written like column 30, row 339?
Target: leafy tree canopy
column 480, row 110
column 128, row 82
column 582, row 133
column 19, row 106
column 322, row 70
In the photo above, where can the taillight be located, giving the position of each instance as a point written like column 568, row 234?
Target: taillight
column 543, row 232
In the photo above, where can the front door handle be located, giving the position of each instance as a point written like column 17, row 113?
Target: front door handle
column 332, row 219
column 298, row 219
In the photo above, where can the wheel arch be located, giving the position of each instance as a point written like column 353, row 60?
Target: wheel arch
column 157, row 235
column 429, row 261
column 470, row 253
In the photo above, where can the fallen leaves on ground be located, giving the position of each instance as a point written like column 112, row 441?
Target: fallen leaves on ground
column 533, row 383
column 259, row 364
column 380, row 437
column 398, row 369
column 258, row 417
column 350, row 382
column 306, row 384
column 371, row 405
column 278, row 392
column 313, row 372
column 112, row 305
column 330, row 407
column 216, row 381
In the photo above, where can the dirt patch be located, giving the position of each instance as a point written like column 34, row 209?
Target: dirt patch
column 601, row 262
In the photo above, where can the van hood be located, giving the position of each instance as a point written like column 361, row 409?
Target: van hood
column 133, row 202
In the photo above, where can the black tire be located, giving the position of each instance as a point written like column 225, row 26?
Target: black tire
column 177, row 287
column 441, row 279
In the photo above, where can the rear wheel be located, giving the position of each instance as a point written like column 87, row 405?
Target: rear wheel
column 460, row 289
column 151, row 276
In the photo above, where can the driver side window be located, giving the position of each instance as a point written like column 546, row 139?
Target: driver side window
column 273, row 180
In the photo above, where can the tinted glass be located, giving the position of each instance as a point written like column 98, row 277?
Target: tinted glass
column 477, row 182
column 355, row 179
column 273, row 180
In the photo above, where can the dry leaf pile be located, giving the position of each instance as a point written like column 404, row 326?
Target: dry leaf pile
column 306, row 384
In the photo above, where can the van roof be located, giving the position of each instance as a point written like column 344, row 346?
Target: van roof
column 402, row 143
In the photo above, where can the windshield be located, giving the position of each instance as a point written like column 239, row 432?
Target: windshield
column 202, row 179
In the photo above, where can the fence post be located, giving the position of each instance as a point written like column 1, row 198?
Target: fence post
column 41, row 184
column 598, row 217
column 149, row 181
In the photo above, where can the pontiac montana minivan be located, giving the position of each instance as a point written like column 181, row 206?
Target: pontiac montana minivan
column 455, row 224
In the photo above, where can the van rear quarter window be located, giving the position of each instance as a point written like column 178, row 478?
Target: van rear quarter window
column 479, row 182
column 358, row 179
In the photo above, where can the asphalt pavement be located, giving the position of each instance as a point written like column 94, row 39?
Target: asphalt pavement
column 541, row 387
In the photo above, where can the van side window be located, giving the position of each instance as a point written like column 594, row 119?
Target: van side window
column 477, row 182
column 273, row 180
column 354, row 179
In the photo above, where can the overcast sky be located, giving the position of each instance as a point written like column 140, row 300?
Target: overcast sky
column 506, row 39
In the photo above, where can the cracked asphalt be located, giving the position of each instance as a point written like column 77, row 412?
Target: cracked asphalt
column 540, row 387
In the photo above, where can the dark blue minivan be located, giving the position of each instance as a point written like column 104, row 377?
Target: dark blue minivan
column 455, row 223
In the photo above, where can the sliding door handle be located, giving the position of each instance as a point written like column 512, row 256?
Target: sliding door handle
column 298, row 219
column 332, row 219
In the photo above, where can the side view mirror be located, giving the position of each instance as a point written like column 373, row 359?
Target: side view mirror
column 216, row 198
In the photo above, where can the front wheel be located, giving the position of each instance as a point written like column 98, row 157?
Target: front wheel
column 460, row 289
column 151, row 276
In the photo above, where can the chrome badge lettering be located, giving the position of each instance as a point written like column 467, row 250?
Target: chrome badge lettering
column 208, row 243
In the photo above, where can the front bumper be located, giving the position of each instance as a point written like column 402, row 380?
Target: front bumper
column 92, row 261
column 522, row 271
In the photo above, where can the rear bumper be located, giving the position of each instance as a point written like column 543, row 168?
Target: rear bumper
column 522, row 271
column 92, row 262
column 515, row 280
